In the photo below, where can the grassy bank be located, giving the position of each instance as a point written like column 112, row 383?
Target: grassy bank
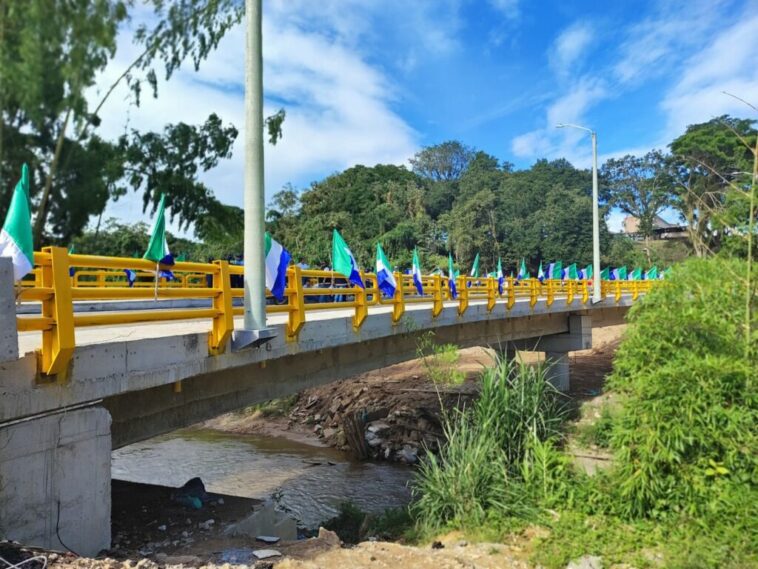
column 682, row 488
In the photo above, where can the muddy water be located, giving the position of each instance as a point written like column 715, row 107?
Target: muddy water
column 308, row 482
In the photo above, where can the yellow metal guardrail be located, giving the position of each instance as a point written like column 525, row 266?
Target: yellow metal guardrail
column 103, row 279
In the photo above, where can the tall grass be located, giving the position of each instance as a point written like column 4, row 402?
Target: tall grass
column 495, row 451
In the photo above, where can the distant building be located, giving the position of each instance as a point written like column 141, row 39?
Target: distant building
column 662, row 229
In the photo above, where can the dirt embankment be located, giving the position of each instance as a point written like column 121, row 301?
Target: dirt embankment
column 394, row 413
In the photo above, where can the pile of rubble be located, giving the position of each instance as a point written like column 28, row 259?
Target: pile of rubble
column 380, row 418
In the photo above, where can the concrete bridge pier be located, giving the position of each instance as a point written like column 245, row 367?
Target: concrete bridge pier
column 557, row 347
column 55, row 467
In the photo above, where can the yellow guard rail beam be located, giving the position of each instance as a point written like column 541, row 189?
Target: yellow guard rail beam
column 97, row 278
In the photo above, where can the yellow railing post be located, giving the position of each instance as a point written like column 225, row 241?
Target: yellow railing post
column 550, row 292
column 585, row 291
column 295, row 303
column 617, row 295
column 491, row 293
column 398, row 301
column 437, row 296
column 534, row 291
column 511, row 293
column 361, row 306
column 59, row 341
column 570, row 290
column 462, row 295
column 223, row 322
column 635, row 290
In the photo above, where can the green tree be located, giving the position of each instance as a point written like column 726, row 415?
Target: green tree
column 169, row 162
column 713, row 161
column 444, row 162
column 640, row 186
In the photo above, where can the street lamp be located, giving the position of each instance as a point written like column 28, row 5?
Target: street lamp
column 254, row 329
column 595, row 215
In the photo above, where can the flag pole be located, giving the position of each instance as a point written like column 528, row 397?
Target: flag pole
column 157, row 268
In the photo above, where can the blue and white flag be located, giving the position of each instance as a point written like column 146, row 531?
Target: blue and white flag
column 540, row 273
column 417, row 272
column 500, row 276
column 277, row 261
column 385, row 280
column 131, row 276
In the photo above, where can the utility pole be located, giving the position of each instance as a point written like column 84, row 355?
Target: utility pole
column 255, row 279
column 595, row 215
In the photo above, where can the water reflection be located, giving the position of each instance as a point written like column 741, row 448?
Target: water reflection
column 309, row 482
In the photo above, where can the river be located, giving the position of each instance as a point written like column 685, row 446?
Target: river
column 308, row 482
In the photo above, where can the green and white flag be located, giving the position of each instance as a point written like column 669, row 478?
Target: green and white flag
column 475, row 267
column 343, row 260
column 157, row 249
column 16, row 236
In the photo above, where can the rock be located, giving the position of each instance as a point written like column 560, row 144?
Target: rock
column 437, row 545
column 206, row 525
column 266, row 553
column 267, row 538
column 220, row 502
column 408, row 454
column 377, row 427
column 162, row 527
column 586, row 562
column 312, row 400
column 329, row 537
column 329, row 433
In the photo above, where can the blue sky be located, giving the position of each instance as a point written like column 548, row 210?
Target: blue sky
column 369, row 81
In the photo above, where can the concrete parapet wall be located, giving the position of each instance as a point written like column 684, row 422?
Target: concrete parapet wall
column 55, row 481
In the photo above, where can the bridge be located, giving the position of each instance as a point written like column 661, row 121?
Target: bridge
column 89, row 363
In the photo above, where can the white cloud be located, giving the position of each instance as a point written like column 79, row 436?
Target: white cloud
column 339, row 106
column 570, row 47
column 703, row 46
column 727, row 64
column 551, row 142
column 509, row 8
column 651, row 47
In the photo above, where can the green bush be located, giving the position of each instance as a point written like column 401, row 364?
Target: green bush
column 496, row 455
column 440, row 360
column 685, row 437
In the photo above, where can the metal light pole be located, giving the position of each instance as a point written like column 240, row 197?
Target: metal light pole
column 254, row 330
column 595, row 215
column 255, row 280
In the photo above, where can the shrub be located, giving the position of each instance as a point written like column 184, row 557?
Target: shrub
column 440, row 360
column 686, row 436
column 496, row 453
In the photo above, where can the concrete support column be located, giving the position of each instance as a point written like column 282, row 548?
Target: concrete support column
column 8, row 332
column 55, row 480
column 558, row 370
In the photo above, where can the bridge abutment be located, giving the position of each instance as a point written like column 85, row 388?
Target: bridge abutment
column 55, row 480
